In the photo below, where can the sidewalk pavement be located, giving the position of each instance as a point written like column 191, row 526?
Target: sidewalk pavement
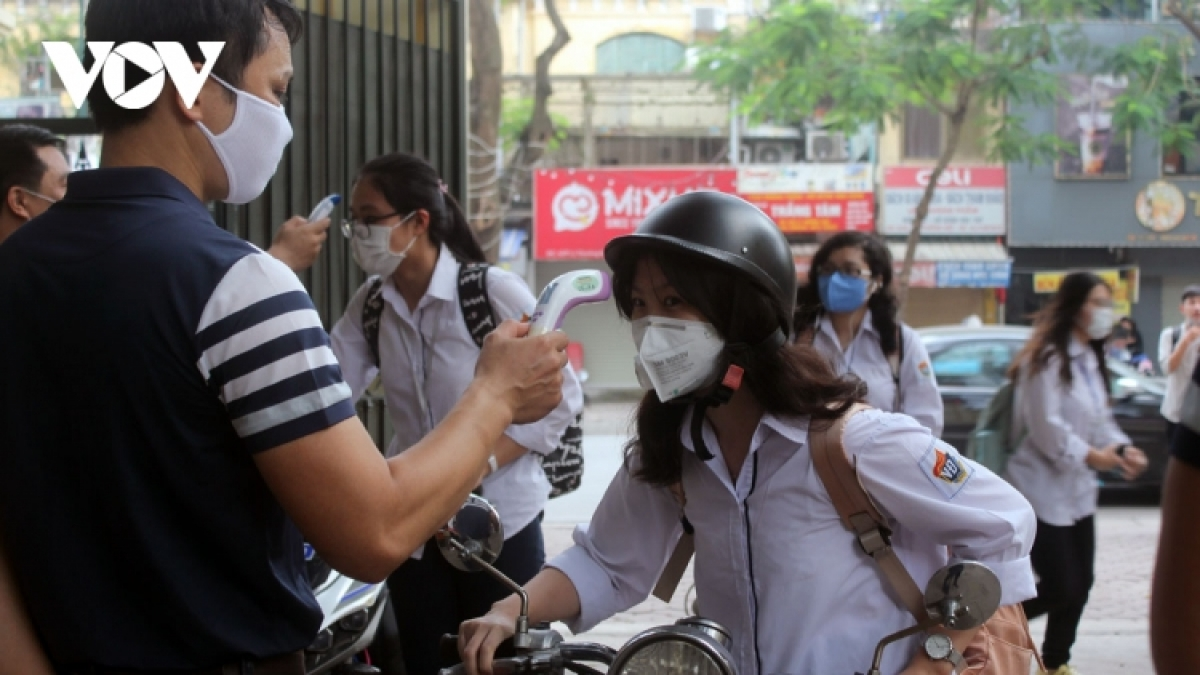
column 1112, row 639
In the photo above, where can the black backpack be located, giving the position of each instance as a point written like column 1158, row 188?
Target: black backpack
column 564, row 465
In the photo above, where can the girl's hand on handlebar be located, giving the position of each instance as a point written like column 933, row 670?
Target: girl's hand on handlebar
column 479, row 638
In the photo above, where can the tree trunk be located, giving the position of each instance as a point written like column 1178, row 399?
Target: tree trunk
column 485, row 208
column 540, row 130
column 1181, row 13
column 957, row 122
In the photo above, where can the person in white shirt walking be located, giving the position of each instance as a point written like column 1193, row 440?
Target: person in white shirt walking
column 1177, row 356
column 1066, row 433
column 411, row 236
column 723, row 437
column 848, row 313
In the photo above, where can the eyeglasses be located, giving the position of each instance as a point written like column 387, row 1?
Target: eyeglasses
column 359, row 228
column 849, row 270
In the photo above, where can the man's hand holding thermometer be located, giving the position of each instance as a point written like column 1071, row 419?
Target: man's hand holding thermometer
column 515, row 350
column 299, row 241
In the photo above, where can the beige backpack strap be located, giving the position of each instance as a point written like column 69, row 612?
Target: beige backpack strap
column 677, row 564
column 858, row 513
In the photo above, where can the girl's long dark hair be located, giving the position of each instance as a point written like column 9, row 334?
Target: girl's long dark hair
column 1054, row 327
column 793, row 380
column 882, row 303
column 409, row 183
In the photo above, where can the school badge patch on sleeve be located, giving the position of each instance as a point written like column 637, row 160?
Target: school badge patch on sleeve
column 945, row 469
column 923, row 368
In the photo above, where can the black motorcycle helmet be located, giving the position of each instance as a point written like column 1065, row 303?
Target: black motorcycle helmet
column 732, row 232
column 722, row 228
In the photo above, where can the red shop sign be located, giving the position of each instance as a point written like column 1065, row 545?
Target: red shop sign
column 578, row 211
column 818, row 211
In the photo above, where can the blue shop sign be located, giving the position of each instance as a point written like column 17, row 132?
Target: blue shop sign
column 990, row 274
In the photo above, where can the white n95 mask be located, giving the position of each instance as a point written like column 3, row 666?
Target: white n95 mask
column 675, row 357
column 250, row 149
column 374, row 254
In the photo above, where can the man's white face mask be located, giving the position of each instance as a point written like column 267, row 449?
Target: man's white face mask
column 250, row 149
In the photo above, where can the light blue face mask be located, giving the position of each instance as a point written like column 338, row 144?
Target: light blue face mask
column 841, row 293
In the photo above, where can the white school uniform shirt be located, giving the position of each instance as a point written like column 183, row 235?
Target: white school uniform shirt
column 919, row 396
column 1059, row 423
column 428, row 359
column 774, row 564
column 1178, row 379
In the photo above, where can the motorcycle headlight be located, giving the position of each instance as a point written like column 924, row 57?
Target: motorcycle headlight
column 693, row 646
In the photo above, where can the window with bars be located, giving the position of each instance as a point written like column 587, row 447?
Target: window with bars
column 922, row 133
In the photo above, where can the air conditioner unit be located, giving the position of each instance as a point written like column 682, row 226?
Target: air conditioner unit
column 708, row 19
column 826, row 146
column 774, row 152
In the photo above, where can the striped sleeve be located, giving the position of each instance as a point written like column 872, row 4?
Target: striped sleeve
column 263, row 349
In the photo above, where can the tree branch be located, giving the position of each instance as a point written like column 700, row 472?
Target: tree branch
column 933, row 102
column 1178, row 12
column 540, row 130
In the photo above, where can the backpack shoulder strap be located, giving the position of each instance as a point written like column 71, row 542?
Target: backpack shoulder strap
column 372, row 312
column 1176, row 333
column 858, row 513
column 895, row 360
column 677, row 564
column 474, row 302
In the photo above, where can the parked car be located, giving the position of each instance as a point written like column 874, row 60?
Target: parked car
column 971, row 363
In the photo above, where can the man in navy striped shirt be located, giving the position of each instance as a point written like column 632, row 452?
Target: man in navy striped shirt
column 169, row 404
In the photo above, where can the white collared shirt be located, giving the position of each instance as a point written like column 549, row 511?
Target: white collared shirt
column 428, row 359
column 775, row 566
column 1178, row 379
column 1059, row 423
column 919, row 396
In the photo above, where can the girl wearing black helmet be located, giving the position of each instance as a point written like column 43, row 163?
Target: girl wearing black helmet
column 722, row 440
column 847, row 312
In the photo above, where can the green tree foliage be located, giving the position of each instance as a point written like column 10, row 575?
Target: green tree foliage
column 956, row 57
column 34, row 28
column 515, row 116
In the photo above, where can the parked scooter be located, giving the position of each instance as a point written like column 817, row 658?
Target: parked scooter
column 959, row 596
column 357, row 619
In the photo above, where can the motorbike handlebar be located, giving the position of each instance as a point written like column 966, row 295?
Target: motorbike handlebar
column 510, row 666
column 448, row 650
column 509, row 663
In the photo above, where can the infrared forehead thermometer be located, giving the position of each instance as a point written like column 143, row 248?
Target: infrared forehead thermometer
column 324, row 208
column 566, row 293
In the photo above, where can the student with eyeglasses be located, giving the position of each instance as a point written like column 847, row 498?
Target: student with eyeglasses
column 847, row 312
column 409, row 324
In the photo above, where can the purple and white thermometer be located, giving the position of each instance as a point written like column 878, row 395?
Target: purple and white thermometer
column 566, row 293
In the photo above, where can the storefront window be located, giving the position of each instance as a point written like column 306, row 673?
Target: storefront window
column 29, row 87
column 1186, row 162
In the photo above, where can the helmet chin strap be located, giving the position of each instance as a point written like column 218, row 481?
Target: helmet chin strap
column 729, row 385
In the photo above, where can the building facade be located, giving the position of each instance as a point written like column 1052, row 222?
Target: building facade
column 1120, row 206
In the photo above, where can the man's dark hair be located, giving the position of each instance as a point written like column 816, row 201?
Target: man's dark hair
column 240, row 24
column 20, row 165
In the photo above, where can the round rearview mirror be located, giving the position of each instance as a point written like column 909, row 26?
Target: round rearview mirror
column 963, row 596
column 474, row 534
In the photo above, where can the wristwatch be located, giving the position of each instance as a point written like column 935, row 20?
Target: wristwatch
column 940, row 647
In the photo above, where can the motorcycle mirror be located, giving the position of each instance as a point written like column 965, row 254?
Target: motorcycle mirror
column 963, row 596
column 474, row 534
